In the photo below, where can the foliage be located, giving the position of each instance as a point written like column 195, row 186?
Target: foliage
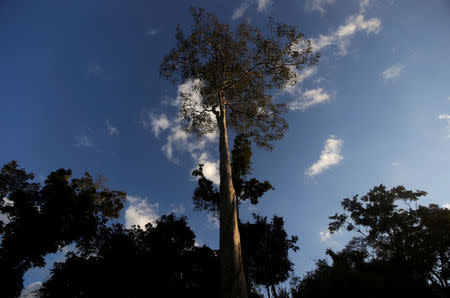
column 265, row 247
column 158, row 261
column 206, row 196
column 240, row 66
column 402, row 249
column 42, row 220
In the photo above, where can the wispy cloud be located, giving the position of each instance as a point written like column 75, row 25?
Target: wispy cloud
column 239, row 12
column 395, row 164
column 342, row 35
column 96, row 71
column 178, row 209
column 263, row 4
column 327, row 237
column 83, row 141
column 447, row 206
column 393, row 72
column 178, row 141
column 140, row 212
column 317, row 5
column 157, row 123
column 446, row 117
column 330, row 156
column 152, row 31
column 310, row 98
column 112, row 130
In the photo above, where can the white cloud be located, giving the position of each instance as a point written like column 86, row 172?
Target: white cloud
column 310, row 98
column 392, row 72
column 341, row 37
column 318, row 5
column 29, row 290
column 210, row 168
column 96, row 71
column 327, row 237
column 448, row 98
column 239, row 12
column 330, row 156
column 364, row 4
column 140, row 212
column 152, row 31
column 302, row 76
column 395, row 164
column 263, row 4
column 112, row 130
column 83, row 141
column 446, row 117
column 447, row 206
column 213, row 218
column 157, row 123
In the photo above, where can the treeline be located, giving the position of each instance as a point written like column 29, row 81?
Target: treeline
column 400, row 248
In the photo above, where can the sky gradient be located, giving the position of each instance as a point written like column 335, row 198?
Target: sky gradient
column 80, row 89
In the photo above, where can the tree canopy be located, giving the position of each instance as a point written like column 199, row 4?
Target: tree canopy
column 401, row 249
column 242, row 66
column 42, row 220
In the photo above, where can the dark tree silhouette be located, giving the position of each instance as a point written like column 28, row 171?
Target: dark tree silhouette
column 206, row 196
column 42, row 220
column 234, row 71
column 265, row 247
column 159, row 261
column 402, row 249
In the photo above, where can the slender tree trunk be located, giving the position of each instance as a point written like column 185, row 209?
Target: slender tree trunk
column 268, row 292
column 233, row 282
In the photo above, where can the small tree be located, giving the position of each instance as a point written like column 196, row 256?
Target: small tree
column 207, row 197
column 234, row 72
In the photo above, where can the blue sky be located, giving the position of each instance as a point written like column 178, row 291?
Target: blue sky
column 80, row 89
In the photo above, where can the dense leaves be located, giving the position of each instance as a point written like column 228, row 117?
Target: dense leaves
column 240, row 66
column 42, row 220
column 402, row 249
column 266, row 247
column 158, row 261
column 206, row 196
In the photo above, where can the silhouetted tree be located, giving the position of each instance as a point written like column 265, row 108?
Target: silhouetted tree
column 42, row 220
column 206, row 196
column 159, row 261
column 265, row 247
column 234, row 71
column 401, row 249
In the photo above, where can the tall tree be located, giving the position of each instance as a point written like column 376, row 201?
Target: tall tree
column 234, row 72
column 42, row 220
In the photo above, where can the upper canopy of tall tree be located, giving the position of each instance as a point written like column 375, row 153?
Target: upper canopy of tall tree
column 236, row 70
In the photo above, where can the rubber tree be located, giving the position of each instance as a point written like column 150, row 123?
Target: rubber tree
column 234, row 71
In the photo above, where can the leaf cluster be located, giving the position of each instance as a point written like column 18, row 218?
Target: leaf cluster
column 237, row 70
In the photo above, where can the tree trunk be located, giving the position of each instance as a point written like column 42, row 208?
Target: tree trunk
column 233, row 282
column 268, row 292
